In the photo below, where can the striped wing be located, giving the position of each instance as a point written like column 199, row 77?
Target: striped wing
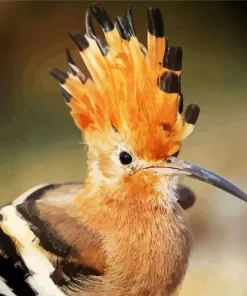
column 44, row 251
column 41, row 247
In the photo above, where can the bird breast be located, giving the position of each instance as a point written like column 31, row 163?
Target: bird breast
column 147, row 252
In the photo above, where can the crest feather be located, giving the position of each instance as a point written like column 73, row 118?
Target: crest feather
column 133, row 88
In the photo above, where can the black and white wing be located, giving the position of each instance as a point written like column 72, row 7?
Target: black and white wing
column 39, row 244
column 44, row 250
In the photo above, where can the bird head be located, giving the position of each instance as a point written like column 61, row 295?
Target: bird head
column 131, row 108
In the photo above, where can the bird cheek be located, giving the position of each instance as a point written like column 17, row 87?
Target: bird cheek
column 107, row 168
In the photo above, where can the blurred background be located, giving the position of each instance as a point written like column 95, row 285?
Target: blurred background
column 39, row 142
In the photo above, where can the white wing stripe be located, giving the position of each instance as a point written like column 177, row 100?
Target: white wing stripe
column 25, row 195
column 44, row 285
column 37, row 263
column 4, row 289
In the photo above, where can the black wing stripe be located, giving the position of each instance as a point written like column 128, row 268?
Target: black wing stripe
column 73, row 276
column 26, row 206
column 37, row 277
column 48, row 239
column 12, row 268
column 67, row 276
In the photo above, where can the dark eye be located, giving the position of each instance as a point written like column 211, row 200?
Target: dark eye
column 125, row 158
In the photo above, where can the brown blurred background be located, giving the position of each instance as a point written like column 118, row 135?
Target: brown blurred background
column 39, row 142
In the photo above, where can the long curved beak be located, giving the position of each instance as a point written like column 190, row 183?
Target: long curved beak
column 179, row 167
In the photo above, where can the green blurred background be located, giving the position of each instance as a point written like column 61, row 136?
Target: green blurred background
column 39, row 142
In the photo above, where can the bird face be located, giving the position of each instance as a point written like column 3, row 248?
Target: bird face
column 116, row 165
column 119, row 166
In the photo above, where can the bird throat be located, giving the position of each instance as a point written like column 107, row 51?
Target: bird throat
column 149, row 243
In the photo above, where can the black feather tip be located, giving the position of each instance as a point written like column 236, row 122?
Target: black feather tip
column 59, row 75
column 173, row 58
column 70, row 62
column 155, row 22
column 102, row 18
column 125, row 25
column 91, row 34
column 181, row 104
column 128, row 18
column 89, row 26
column 79, row 40
column 123, row 29
column 67, row 96
column 192, row 113
column 170, row 83
column 69, row 57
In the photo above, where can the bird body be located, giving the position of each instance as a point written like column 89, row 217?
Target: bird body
column 93, row 251
column 123, row 232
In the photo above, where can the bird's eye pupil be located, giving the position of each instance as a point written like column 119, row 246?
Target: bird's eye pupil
column 125, row 158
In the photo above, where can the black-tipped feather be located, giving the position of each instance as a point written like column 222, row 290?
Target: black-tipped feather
column 181, row 104
column 73, row 69
column 89, row 25
column 79, row 40
column 102, row 46
column 91, row 34
column 59, row 75
column 70, row 62
column 170, row 82
column 69, row 57
column 102, row 18
column 125, row 25
column 191, row 113
column 123, row 28
column 155, row 22
column 173, row 58
column 67, row 96
column 128, row 18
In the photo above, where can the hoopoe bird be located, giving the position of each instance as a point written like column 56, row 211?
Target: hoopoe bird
column 124, row 231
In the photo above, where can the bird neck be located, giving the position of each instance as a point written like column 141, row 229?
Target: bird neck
column 120, row 206
column 154, row 239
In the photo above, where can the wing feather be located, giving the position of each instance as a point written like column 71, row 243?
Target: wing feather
column 42, row 249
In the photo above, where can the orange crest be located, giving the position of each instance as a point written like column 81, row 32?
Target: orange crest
column 133, row 89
